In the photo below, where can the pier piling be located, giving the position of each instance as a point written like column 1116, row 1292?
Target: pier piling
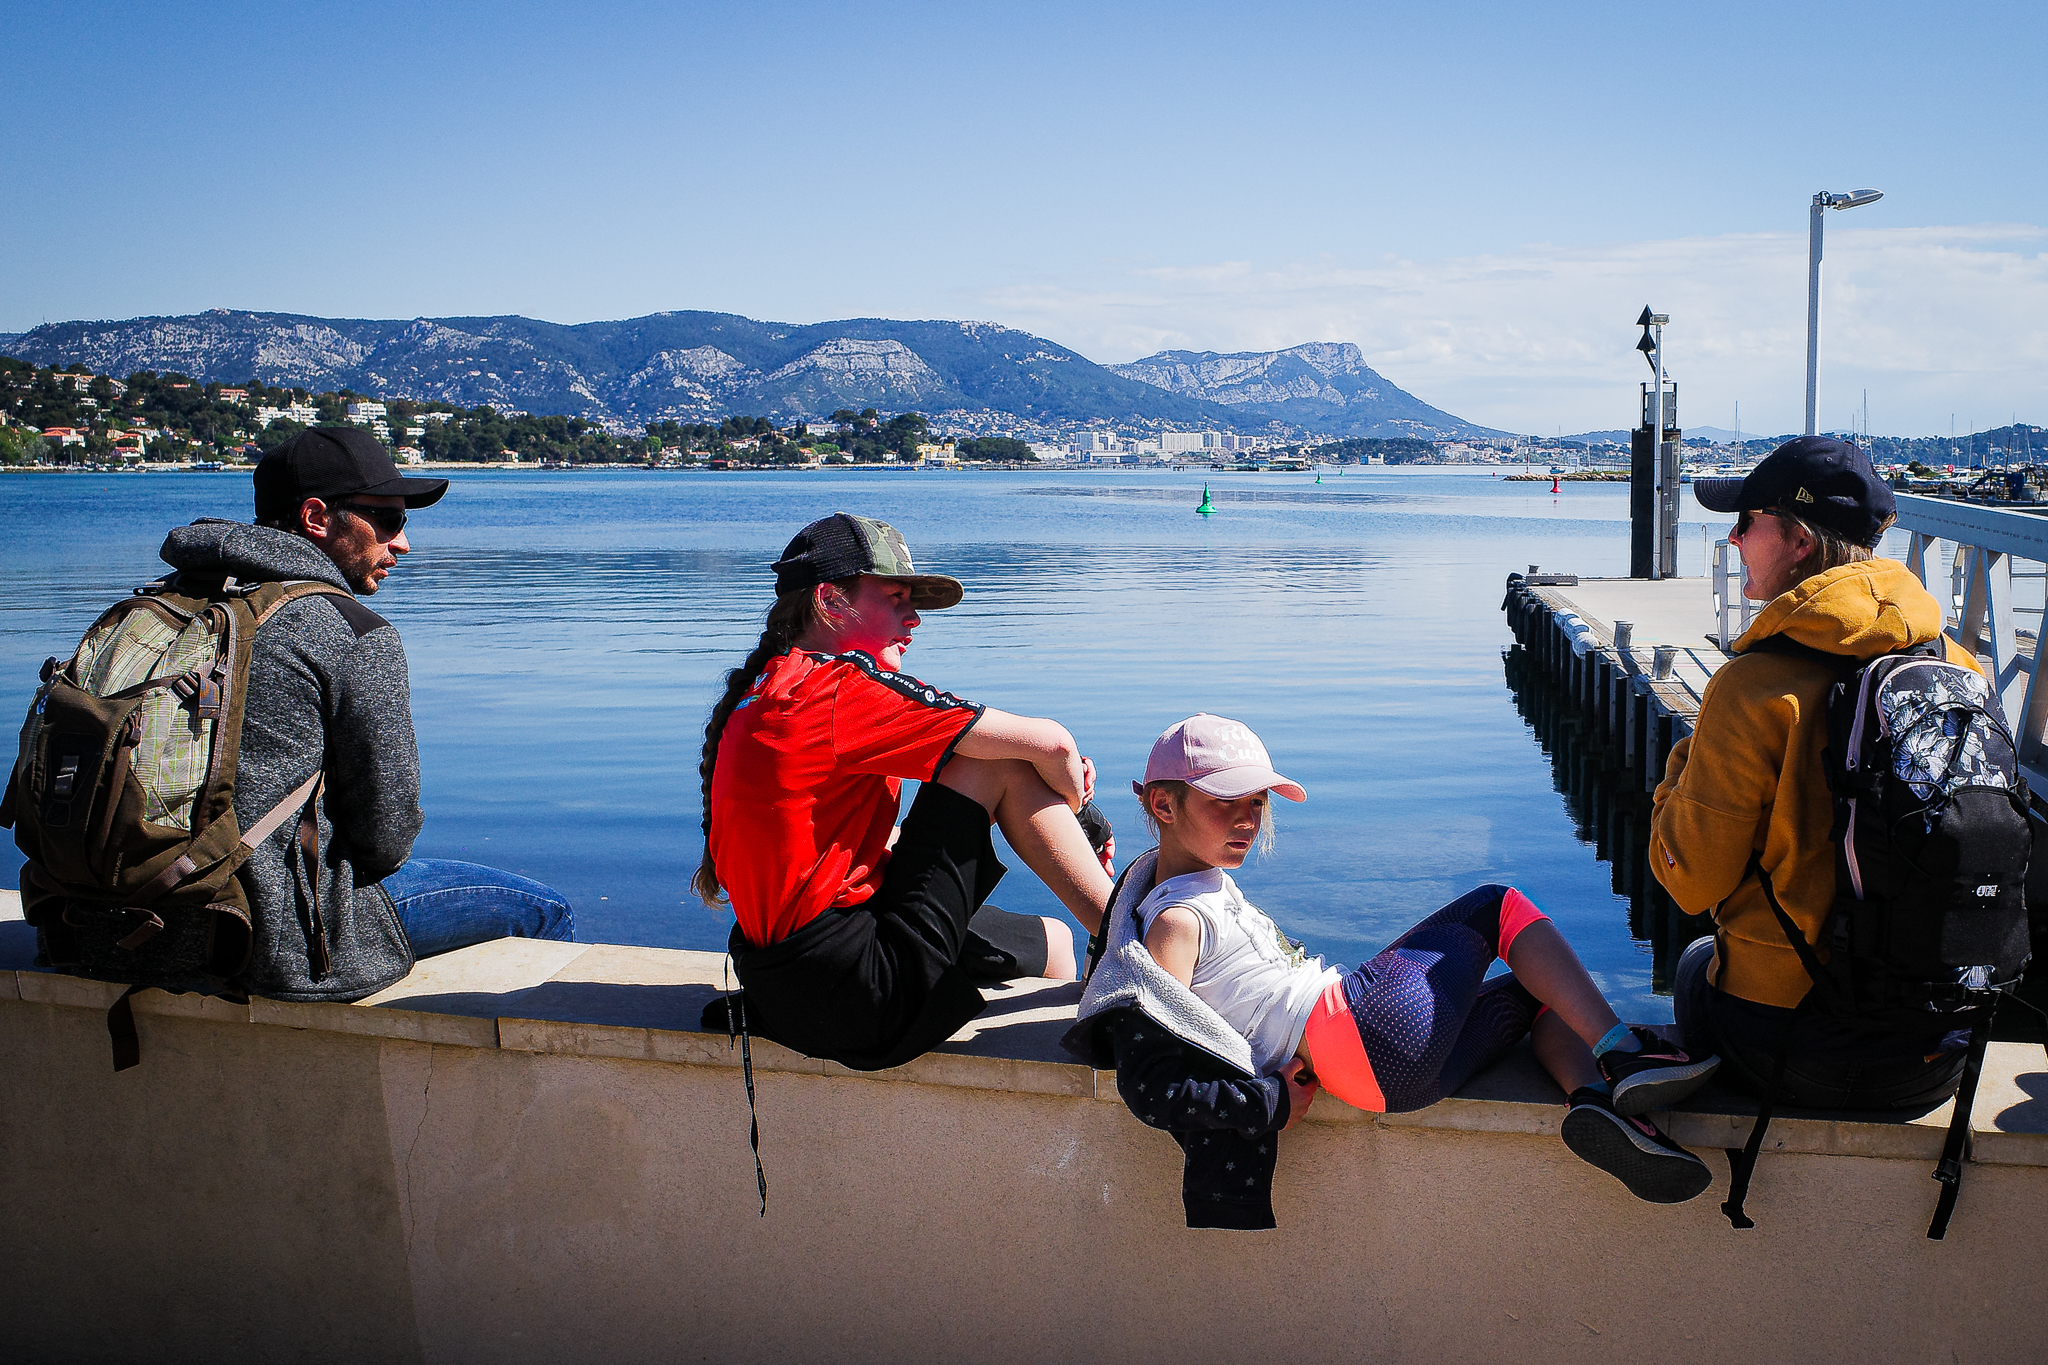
column 1639, row 699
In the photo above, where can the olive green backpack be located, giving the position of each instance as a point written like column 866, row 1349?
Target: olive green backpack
column 123, row 796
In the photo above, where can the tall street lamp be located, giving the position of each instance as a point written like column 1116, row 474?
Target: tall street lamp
column 1823, row 200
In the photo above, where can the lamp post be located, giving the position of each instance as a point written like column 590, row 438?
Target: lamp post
column 1823, row 200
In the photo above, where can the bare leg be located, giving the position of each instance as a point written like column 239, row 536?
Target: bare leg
column 1040, row 828
column 1059, row 950
column 1546, row 964
column 1563, row 1053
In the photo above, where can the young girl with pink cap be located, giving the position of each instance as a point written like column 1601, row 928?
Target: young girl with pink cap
column 1222, row 1029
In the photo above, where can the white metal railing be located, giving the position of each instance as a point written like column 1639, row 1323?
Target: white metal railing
column 1732, row 610
column 1983, row 616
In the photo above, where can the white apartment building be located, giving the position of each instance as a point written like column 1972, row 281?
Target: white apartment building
column 365, row 413
column 302, row 413
column 79, row 383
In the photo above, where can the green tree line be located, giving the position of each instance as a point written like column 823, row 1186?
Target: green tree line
column 203, row 424
column 1393, row 449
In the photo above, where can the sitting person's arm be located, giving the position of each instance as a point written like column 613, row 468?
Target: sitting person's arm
column 1175, row 942
column 1044, row 744
column 1718, row 788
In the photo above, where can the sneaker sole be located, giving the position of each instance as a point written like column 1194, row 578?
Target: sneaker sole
column 1661, row 1087
column 1652, row 1172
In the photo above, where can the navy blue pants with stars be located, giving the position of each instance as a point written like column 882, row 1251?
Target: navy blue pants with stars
column 1419, row 1020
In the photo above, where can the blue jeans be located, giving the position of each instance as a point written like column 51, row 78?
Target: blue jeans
column 445, row 905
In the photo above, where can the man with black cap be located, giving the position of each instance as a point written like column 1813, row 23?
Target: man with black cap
column 1745, row 797
column 328, row 691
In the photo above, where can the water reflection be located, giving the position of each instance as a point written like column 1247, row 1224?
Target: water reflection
column 566, row 633
column 1609, row 810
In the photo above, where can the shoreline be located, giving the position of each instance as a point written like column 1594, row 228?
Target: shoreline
column 1043, row 467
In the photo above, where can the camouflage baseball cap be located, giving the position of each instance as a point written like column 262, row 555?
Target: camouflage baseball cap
column 842, row 545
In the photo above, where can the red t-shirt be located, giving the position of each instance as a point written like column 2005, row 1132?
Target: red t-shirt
column 809, row 774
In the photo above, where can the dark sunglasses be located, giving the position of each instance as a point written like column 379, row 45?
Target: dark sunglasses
column 389, row 521
column 1746, row 518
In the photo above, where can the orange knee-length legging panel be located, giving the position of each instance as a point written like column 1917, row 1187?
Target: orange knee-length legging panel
column 1416, row 1022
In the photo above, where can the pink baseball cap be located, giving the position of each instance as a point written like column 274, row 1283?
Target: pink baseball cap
column 1218, row 756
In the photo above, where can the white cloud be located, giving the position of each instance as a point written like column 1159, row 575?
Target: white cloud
column 1932, row 321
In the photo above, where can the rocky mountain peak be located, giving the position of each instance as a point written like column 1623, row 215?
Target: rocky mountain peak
column 1322, row 385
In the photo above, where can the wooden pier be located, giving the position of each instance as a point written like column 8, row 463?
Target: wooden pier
column 1634, row 653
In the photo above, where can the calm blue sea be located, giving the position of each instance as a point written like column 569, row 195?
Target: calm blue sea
column 567, row 631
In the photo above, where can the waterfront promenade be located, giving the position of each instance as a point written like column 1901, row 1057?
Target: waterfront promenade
column 526, row 1152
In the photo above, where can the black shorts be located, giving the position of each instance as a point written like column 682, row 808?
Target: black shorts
column 876, row 984
column 1002, row 946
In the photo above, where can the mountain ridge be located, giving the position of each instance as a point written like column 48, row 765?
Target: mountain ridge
column 694, row 366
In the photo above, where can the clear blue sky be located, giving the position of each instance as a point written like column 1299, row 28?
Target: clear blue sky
column 1118, row 178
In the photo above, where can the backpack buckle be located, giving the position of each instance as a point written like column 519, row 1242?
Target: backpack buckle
column 201, row 691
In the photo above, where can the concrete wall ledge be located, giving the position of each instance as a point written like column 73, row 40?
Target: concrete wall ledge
column 643, row 1004
column 526, row 1152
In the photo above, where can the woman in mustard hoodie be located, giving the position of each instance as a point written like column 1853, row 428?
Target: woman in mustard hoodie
column 1748, row 783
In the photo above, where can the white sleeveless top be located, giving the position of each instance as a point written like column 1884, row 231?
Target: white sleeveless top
column 1246, row 969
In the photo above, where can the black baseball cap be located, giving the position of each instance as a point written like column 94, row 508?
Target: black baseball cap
column 842, row 545
column 1821, row 479
column 330, row 463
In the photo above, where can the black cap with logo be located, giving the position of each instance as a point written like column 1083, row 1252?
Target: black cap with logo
column 843, row 545
column 1821, row 479
column 330, row 463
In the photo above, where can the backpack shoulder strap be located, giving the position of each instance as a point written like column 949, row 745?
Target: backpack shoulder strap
column 1098, row 942
column 1807, row 957
column 266, row 601
column 1956, row 1148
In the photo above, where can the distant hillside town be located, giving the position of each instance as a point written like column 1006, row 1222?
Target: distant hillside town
column 73, row 416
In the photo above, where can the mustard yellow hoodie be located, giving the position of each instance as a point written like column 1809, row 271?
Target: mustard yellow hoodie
column 1749, row 777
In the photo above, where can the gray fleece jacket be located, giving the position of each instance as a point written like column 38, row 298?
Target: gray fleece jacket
column 327, row 686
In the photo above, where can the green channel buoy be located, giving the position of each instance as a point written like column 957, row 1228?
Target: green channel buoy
column 1319, row 478
column 1207, row 509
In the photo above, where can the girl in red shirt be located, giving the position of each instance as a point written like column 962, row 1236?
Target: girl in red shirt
column 853, row 940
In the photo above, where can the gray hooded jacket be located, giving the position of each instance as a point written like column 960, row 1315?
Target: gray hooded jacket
column 327, row 686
